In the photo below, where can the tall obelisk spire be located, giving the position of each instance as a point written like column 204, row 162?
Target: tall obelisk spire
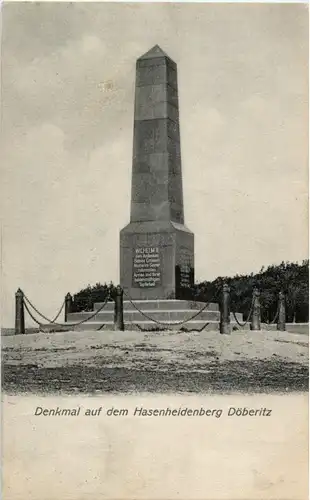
column 156, row 174
column 156, row 248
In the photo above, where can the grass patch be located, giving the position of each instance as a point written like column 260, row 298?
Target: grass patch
column 241, row 376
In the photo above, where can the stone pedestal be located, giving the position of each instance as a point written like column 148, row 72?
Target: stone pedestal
column 157, row 260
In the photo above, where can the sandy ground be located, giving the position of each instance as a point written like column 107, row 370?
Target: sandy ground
column 95, row 362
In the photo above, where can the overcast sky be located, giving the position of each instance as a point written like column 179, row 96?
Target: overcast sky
column 68, row 76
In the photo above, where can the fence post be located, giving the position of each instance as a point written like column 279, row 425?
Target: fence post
column 68, row 305
column 255, row 323
column 225, row 310
column 19, row 313
column 119, row 309
column 282, row 313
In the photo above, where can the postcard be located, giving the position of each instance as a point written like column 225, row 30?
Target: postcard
column 154, row 251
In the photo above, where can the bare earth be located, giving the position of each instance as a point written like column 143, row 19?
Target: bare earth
column 131, row 362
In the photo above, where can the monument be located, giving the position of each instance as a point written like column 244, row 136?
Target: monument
column 156, row 248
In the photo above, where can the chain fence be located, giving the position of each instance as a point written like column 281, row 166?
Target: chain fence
column 165, row 329
column 274, row 319
column 28, row 304
column 42, row 315
column 248, row 317
column 173, row 323
column 164, row 324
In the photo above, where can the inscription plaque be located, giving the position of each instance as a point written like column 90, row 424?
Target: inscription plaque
column 146, row 267
column 185, row 269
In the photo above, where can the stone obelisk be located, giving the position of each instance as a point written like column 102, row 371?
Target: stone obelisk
column 156, row 248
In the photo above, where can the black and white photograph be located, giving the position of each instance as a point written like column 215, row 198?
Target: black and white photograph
column 154, row 234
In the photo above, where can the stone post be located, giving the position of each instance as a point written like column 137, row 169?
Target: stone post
column 225, row 310
column 282, row 313
column 68, row 305
column 119, row 309
column 19, row 313
column 255, row 323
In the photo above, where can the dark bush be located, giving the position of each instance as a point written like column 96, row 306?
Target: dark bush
column 292, row 278
column 85, row 299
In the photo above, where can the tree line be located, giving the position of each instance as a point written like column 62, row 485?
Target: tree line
column 290, row 277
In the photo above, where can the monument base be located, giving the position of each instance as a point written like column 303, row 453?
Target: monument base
column 155, row 315
column 156, row 260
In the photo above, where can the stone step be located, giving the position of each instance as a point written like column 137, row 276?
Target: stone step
column 134, row 316
column 150, row 326
column 172, row 304
column 158, row 315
